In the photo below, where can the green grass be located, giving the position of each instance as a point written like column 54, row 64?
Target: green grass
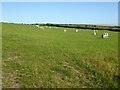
column 54, row 58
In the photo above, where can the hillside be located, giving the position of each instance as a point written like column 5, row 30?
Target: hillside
column 49, row 57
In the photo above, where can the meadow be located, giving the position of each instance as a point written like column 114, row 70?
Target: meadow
column 34, row 58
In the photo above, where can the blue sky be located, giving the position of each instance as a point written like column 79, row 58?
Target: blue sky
column 61, row 12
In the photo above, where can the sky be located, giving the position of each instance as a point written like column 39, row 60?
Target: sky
column 61, row 12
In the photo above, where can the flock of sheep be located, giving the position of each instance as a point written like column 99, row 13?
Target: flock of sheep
column 75, row 30
column 104, row 35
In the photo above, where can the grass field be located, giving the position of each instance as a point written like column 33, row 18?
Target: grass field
column 37, row 58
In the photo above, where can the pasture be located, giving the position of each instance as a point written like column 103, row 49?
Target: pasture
column 34, row 58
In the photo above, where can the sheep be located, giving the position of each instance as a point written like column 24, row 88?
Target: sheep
column 41, row 27
column 65, row 30
column 94, row 33
column 105, row 35
column 76, row 30
column 37, row 26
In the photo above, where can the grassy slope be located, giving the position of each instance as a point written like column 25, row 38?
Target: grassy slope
column 53, row 58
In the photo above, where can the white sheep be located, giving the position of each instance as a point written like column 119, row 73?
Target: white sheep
column 41, row 27
column 76, row 30
column 105, row 35
column 65, row 30
column 94, row 33
column 37, row 26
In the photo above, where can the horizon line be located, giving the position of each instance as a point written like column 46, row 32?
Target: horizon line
column 58, row 23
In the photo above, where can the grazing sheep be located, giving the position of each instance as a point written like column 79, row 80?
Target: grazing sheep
column 65, row 30
column 94, row 33
column 37, row 26
column 41, row 27
column 76, row 30
column 105, row 35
